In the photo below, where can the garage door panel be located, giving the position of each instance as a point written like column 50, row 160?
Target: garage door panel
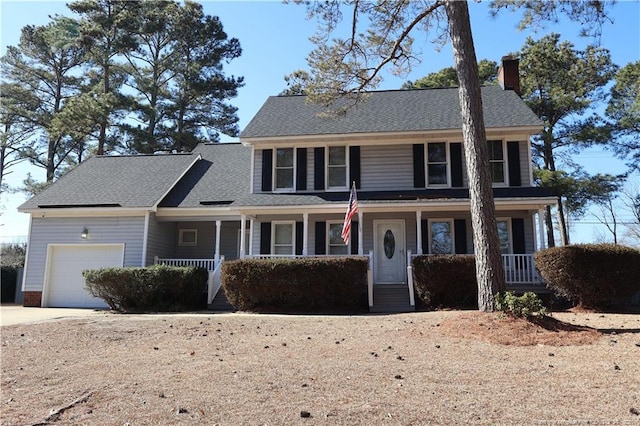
column 66, row 283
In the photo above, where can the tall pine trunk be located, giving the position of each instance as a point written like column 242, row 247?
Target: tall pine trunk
column 489, row 270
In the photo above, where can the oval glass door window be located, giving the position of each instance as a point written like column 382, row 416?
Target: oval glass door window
column 389, row 244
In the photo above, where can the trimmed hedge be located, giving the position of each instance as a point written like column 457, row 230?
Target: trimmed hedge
column 9, row 276
column 300, row 285
column 446, row 281
column 592, row 275
column 152, row 289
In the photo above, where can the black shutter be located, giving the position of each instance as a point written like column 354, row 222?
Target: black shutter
column 517, row 231
column 265, row 238
column 418, row 166
column 321, row 237
column 354, row 237
column 301, row 169
column 455, row 154
column 354, row 166
column 460, row 230
column 513, row 157
column 299, row 237
column 267, row 169
column 318, row 168
column 425, row 236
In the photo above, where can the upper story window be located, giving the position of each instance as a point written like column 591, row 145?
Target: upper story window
column 437, row 164
column 335, row 243
column 441, row 236
column 337, row 167
column 283, row 238
column 496, row 161
column 284, row 169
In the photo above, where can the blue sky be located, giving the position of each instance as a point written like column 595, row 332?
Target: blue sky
column 274, row 39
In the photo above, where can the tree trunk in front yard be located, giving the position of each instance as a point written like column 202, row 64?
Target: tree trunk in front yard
column 489, row 270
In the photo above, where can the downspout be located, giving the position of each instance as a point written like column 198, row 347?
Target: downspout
column 145, row 238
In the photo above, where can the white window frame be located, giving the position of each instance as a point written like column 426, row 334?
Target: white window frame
column 293, row 235
column 507, row 220
column 327, row 168
column 505, row 169
column 451, row 231
column 328, row 239
column 275, row 170
column 181, row 240
column 427, row 162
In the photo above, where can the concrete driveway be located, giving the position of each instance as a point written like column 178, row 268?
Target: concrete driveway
column 17, row 314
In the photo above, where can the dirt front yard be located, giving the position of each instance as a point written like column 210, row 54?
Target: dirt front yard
column 408, row 369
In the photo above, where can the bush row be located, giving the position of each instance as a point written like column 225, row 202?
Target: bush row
column 151, row 289
column 285, row 285
column 445, row 281
column 596, row 276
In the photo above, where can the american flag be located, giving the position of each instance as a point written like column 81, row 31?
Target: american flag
column 351, row 211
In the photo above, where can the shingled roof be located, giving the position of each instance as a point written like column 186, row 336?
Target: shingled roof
column 387, row 111
column 222, row 176
column 115, row 181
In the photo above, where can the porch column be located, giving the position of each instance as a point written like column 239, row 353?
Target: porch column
column 305, row 234
column 419, row 232
column 243, row 234
column 251, row 235
column 216, row 255
column 360, row 236
column 543, row 243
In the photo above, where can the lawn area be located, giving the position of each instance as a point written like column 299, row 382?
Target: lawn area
column 445, row 367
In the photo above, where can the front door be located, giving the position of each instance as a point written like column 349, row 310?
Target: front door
column 389, row 252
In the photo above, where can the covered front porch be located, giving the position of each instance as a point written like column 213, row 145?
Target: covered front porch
column 520, row 276
column 388, row 234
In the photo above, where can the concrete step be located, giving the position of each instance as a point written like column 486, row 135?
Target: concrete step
column 220, row 303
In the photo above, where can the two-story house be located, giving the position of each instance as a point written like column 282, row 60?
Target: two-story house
column 283, row 191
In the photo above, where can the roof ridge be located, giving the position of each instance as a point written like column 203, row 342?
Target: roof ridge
column 167, row 154
column 419, row 89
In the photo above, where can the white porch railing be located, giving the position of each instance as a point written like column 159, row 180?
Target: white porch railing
column 215, row 281
column 520, row 269
column 209, row 264
column 412, row 300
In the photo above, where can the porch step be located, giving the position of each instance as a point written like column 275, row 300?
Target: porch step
column 390, row 298
column 220, row 303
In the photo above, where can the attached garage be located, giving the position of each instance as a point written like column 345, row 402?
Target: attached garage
column 64, row 283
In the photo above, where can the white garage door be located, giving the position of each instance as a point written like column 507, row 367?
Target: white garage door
column 65, row 286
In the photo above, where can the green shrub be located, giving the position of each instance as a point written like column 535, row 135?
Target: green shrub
column 592, row 275
column 446, row 281
column 525, row 306
column 152, row 289
column 9, row 276
column 303, row 285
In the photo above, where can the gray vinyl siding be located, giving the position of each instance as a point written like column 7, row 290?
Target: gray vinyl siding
column 529, row 234
column 410, row 225
column 122, row 230
column 386, row 167
column 205, row 242
column 257, row 171
column 524, row 164
column 229, row 239
column 310, row 169
column 161, row 239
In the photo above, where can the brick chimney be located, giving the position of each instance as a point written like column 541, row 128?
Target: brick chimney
column 509, row 75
